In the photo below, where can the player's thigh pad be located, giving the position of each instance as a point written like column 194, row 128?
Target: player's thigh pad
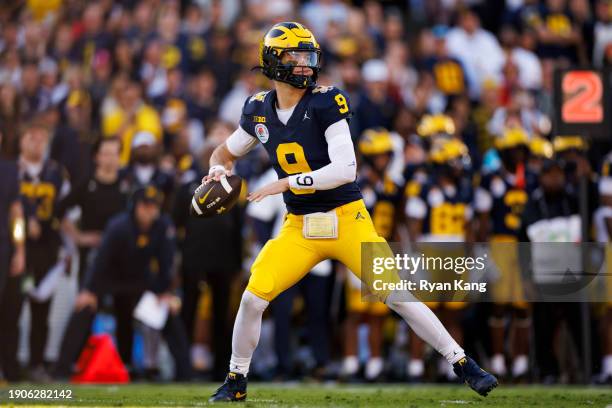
column 282, row 262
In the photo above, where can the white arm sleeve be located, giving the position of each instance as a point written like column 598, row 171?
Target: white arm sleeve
column 240, row 142
column 343, row 166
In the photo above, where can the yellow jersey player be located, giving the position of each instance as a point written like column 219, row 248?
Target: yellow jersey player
column 305, row 131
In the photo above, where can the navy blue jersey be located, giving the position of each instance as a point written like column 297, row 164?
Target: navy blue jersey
column 507, row 201
column 40, row 196
column 131, row 260
column 300, row 146
column 9, row 193
column 382, row 200
column 447, row 212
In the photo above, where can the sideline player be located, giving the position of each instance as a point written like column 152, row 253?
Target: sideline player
column 304, row 129
column 441, row 213
column 499, row 202
column 382, row 197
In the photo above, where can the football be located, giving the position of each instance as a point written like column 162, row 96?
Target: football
column 216, row 197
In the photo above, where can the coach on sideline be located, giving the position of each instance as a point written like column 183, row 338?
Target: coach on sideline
column 136, row 255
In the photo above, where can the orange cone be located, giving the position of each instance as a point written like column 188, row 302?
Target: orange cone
column 100, row 363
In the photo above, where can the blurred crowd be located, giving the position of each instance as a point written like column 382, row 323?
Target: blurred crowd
column 110, row 109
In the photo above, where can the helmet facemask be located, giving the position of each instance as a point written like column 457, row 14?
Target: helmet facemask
column 279, row 65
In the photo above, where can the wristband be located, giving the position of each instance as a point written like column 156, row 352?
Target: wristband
column 215, row 168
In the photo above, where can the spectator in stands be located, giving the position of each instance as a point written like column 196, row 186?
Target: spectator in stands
column 374, row 107
column 467, row 37
column 10, row 117
column 129, row 116
column 145, row 169
column 602, row 33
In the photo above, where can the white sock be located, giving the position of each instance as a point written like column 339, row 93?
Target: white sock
column 520, row 365
column 416, row 368
column 498, row 364
column 373, row 368
column 606, row 366
column 428, row 327
column 201, row 357
column 350, row 365
column 246, row 331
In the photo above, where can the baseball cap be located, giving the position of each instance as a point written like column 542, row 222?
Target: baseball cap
column 148, row 193
column 143, row 138
column 375, row 70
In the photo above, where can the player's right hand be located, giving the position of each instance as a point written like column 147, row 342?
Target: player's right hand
column 215, row 173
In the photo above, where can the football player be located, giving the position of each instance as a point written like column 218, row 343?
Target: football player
column 441, row 211
column 382, row 197
column 430, row 129
column 43, row 183
column 499, row 202
column 304, row 129
column 540, row 149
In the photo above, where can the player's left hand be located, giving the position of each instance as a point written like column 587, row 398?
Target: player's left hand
column 279, row 186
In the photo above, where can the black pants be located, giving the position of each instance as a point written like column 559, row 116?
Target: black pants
column 315, row 290
column 547, row 317
column 40, row 258
column 220, row 285
column 10, row 310
column 83, row 264
column 79, row 328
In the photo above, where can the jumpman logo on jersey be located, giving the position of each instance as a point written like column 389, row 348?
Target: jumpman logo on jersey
column 305, row 116
column 359, row 216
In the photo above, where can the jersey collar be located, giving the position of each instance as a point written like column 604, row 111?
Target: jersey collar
column 296, row 116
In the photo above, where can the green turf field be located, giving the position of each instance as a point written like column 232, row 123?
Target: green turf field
column 300, row 395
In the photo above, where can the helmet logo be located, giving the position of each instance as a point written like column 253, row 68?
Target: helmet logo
column 261, row 131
